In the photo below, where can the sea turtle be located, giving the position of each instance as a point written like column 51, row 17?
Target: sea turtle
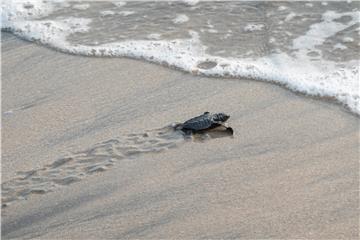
column 204, row 122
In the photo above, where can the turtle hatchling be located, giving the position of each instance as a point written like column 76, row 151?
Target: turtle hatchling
column 204, row 122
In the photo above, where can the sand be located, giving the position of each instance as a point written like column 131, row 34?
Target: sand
column 92, row 129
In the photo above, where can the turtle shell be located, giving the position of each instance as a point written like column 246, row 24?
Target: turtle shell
column 199, row 123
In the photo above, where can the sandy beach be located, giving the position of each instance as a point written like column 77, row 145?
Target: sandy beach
column 86, row 154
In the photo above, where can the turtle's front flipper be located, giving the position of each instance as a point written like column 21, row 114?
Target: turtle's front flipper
column 230, row 130
column 222, row 128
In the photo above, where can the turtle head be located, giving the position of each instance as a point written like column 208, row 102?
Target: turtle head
column 220, row 117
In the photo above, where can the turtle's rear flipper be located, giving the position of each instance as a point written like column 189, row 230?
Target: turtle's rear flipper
column 187, row 132
column 176, row 126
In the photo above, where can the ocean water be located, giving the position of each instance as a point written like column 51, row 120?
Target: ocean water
column 308, row 47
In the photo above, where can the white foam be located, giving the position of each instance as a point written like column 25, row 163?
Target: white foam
column 212, row 30
column 254, row 27
column 155, row 36
column 272, row 40
column 348, row 39
column 340, row 46
column 52, row 33
column 126, row 13
column 191, row 2
column 119, row 3
column 107, row 13
column 83, row 6
column 290, row 16
column 298, row 72
column 227, row 35
column 209, row 25
column 181, row 18
column 319, row 32
column 12, row 11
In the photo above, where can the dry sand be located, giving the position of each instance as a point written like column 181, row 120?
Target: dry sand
column 290, row 171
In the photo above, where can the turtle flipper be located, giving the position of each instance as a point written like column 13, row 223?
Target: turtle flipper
column 187, row 132
column 177, row 126
column 230, row 130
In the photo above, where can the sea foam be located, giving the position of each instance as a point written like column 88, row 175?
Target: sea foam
column 296, row 71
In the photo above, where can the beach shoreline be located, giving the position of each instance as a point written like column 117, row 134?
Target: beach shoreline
column 282, row 175
column 331, row 100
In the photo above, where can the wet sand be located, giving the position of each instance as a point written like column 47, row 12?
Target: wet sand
column 92, row 129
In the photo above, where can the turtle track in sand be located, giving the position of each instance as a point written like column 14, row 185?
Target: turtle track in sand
column 76, row 166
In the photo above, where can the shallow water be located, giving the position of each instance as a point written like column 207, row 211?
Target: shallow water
column 309, row 47
column 231, row 29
